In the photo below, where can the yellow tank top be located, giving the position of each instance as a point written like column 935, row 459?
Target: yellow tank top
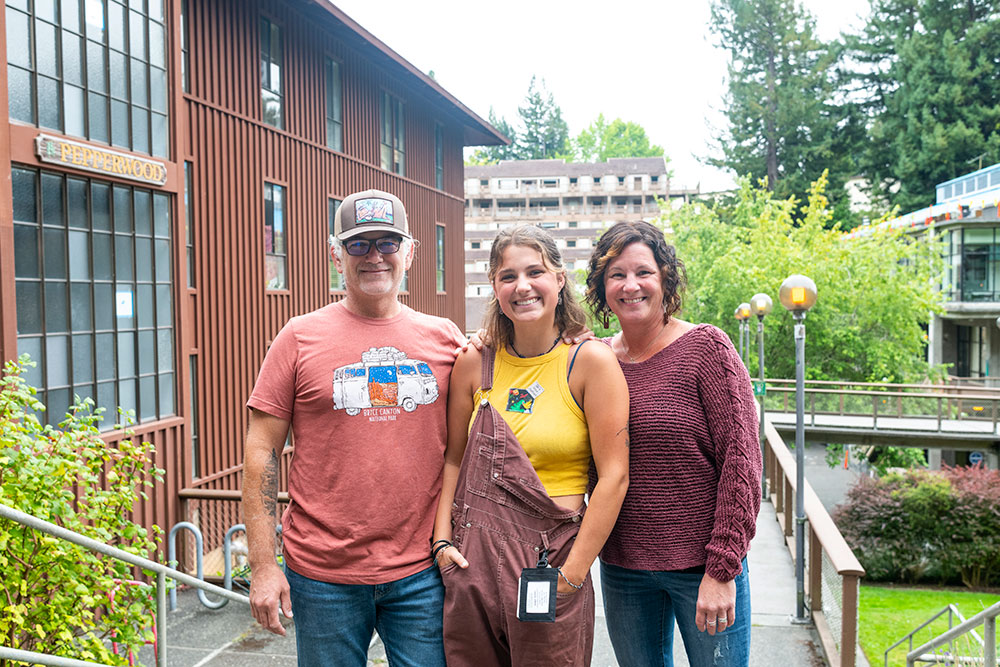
column 534, row 399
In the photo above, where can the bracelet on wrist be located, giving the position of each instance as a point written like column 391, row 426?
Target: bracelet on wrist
column 566, row 579
column 438, row 547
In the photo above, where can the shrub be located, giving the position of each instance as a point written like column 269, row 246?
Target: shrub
column 55, row 595
column 923, row 525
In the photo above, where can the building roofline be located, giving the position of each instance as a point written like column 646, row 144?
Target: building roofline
column 478, row 132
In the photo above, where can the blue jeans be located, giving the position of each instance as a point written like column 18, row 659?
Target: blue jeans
column 641, row 606
column 334, row 622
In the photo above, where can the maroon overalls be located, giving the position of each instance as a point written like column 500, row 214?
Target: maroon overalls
column 502, row 519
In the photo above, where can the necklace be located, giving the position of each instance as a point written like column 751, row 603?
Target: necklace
column 554, row 343
column 636, row 358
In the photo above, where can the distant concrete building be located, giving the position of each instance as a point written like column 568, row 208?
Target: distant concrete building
column 574, row 201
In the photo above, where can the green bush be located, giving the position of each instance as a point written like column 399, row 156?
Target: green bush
column 55, row 595
column 926, row 526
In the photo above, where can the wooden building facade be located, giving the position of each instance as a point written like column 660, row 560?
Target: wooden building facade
column 171, row 172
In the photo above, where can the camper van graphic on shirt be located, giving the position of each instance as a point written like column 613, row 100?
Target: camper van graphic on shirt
column 384, row 377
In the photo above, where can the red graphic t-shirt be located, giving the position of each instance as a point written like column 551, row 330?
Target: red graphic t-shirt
column 367, row 400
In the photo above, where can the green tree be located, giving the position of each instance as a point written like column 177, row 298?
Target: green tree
column 603, row 140
column 545, row 134
column 875, row 291
column 927, row 77
column 55, row 597
column 493, row 154
column 782, row 123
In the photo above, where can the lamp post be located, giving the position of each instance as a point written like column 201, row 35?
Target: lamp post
column 798, row 294
column 761, row 304
column 743, row 315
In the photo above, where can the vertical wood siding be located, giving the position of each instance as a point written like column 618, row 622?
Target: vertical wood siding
column 228, row 319
column 233, row 154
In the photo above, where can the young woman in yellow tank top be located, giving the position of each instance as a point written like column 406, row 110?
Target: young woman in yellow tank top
column 565, row 406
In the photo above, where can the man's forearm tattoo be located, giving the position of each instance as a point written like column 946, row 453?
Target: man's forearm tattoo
column 269, row 485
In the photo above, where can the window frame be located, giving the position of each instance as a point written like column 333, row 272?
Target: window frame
column 267, row 61
column 283, row 288
column 335, row 143
column 440, row 250
column 439, row 156
column 332, row 204
column 392, row 127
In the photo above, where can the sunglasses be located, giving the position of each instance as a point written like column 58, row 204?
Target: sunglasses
column 361, row 247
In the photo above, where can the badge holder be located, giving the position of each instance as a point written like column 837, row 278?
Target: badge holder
column 536, row 592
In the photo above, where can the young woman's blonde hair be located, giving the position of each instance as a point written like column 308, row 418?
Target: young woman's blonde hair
column 570, row 316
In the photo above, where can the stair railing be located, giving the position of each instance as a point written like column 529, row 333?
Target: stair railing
column 162, row 572
column 952, row 612
column 986, row 618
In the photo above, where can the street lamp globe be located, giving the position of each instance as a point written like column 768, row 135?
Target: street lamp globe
column 797, row 293
column 760, row 304
column 743, row 312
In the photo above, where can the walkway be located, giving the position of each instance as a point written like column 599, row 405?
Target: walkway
column 228, row 637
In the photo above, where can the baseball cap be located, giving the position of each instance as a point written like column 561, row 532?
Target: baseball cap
column 370, row 211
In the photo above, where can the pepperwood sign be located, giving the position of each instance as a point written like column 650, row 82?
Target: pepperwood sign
column 99, row 160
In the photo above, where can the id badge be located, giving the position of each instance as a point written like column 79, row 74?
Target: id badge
column 536, row 595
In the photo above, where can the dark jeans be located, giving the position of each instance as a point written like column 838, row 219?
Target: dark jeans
column 334, row 622
column 641, row 606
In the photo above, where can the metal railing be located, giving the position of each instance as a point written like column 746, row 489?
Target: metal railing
column 986, row 618
column 162, row 572
column 938, row 407
column 833, row 571
column 952, row 612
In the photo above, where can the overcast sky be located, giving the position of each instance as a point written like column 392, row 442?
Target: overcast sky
column 652, row 62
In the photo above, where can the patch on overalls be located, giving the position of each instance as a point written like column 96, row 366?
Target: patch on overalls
column 520, row 400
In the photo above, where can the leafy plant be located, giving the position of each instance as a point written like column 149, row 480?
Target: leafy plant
column 924, row 525
column 55, row 596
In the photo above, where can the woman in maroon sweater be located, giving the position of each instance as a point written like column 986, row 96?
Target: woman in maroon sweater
column 678, row 550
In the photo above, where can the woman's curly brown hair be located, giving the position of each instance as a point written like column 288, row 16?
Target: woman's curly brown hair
column 611, row 244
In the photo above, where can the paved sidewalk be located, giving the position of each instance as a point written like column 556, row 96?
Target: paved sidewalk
column 197, row 636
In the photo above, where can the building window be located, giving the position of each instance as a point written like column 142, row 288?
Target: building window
column 440, row 258
column 571, row 243
column 336, row 280
column 185, row 49
column 95, row 70
column 393, row 135
column 189, row 223
column 275, row 240
column 438, row 157
column 94, row 294
column 484, row 182
column 195, row 454
column 573, row 224
column 271, row 100
column 972, row 351
column 476, row 245
column 334, row 107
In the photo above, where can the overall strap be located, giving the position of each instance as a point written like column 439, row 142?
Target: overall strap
column 486, row 383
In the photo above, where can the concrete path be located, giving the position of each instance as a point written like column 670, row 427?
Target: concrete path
column 197, row 636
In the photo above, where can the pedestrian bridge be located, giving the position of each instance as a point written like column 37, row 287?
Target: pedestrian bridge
column 946, row 416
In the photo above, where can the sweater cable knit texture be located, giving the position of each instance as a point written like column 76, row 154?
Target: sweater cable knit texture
column 694, row 461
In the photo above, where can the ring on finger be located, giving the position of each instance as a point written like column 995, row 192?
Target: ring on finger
column 710, row 622
column 723, row 620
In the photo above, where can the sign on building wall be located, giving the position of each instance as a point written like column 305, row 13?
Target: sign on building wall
column 99, row 160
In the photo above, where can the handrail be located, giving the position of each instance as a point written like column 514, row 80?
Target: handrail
column 162, row 572
column 890, row 394
column 987, row 618
column 951, row 610
column 823, row 537
column 840, row 553
column 923, row 385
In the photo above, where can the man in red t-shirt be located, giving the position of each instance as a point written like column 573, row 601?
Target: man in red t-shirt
column 363, row 384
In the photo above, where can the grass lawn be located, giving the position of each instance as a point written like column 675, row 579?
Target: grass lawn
column 887, row 614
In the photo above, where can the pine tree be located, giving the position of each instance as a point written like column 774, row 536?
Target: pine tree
column 928, row 77
column 783, row 123
column 545, row 134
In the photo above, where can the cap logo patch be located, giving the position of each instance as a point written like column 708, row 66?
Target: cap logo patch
column 372, row 211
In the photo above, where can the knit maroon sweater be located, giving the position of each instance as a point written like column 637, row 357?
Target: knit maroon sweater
column 694, row 460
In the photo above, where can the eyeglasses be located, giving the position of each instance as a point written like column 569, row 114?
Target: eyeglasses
column 361, row 247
